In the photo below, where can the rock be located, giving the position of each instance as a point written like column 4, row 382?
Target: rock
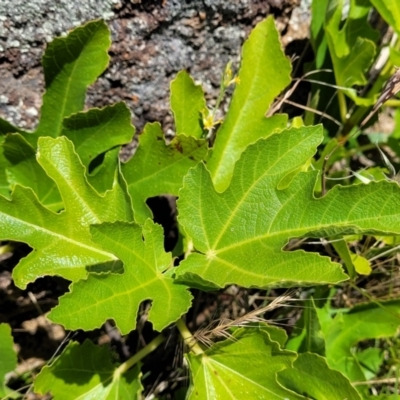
column 152, row 41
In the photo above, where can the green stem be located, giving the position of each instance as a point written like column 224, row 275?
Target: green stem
column 342, row 106
column 360, row 149
column 139, row 355
column 395, row 103
column 188, row 337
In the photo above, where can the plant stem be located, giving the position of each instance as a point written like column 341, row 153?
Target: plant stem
column 360, row 149
column 139, row 355
column 188, row 337
column 342, row 106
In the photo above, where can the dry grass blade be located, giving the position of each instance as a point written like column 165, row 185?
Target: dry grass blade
column 391, row 88
column 306, row 108
column 278, row 104
column 219, row 328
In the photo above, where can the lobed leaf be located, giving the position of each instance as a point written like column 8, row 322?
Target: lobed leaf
column 369, row 321
column 187, row 102
column 157, row 168
column 118, row 297
column 312, row 378
column 234, row 369
column 23, row 169
column 264, row 73
column 93, row 133
column 98, row 130
column 70, row 65
column 61, row 242
column 254, row 217
column 85, row 371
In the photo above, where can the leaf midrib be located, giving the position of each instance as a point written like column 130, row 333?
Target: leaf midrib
column 249, row 191
column 63, row 238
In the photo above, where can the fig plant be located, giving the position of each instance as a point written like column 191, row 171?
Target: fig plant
column 246, row 185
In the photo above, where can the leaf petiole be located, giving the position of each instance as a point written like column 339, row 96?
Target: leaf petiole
column 139, row 355
column 188, row 337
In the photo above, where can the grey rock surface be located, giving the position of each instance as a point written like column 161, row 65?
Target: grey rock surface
column 151, row 42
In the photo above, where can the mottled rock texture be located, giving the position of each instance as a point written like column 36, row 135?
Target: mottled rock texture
column 152, row 41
